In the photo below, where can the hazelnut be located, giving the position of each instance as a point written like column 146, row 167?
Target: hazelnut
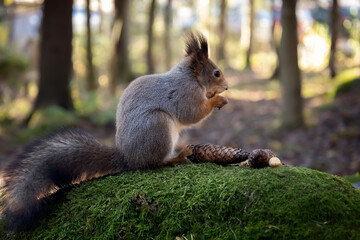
column 274, row 162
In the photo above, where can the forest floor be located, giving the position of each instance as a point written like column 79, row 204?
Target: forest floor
column 330, row 141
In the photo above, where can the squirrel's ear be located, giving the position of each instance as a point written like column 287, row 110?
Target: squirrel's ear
column 203, row 46
column 196, row 46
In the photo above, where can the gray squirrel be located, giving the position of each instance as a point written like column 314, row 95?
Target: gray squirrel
column 151, row 112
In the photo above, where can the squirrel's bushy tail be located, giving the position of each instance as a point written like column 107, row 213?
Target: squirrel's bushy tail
column 47, row 165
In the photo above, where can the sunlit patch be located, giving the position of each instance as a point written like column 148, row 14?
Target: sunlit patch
column 8, row 2
column 347, row 24
column 103, row 80
column 315, row 89
column 75, row 93
column 265, row 63
column 313, row 53
column 33, row 90
column 252, row 96
column 79, row 67
column 17, row 109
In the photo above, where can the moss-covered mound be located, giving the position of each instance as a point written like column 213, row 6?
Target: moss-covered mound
column 207, row 201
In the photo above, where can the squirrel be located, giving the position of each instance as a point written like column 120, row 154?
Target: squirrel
column 151, row 112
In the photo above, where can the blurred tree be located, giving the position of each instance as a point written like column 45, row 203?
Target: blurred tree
column 11, row 16
column 101, row 20
column 289, row 70
column 120, row 64
column 167, row 33
column 150, row 33
column 222, row 31
column 275, row 41
column 2, row 10
column 12, row 71
column 55, row 63
column 334, row 25
column 252, row 23
column 90, row 72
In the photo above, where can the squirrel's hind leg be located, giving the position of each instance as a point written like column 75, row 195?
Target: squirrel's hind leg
column 181, row 158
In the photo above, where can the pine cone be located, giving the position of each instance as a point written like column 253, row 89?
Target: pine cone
column 258, row 158
column 217, row 154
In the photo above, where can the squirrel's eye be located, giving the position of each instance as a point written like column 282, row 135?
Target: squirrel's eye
column 217, row 73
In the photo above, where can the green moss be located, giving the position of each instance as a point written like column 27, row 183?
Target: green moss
column 207, row 201
column 11, row 62
column 347, row 86
column 104, row 117
column 353, row 178
column 346, row 81
column 47, row 120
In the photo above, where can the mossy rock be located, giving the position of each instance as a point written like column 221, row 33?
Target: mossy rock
column 206, row 201
column 348, row 86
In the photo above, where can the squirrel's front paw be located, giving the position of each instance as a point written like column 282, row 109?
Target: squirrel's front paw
column 219, row 101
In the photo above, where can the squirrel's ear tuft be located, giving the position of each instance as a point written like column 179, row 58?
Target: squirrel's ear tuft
column 196, row 45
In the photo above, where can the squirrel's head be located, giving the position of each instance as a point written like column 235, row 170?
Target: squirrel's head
column 204, row 70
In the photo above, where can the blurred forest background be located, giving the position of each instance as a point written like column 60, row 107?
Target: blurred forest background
column 293, row 69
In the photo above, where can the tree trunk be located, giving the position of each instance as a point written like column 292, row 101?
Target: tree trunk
column 289, row 70
column 334, row 35
column 11, row 14
column 120, row 65
column 275, row 41
column 167, row 43
column 222, row 30
column 90, row 73
column 55, row 57
column 252, row 23
column 149, row 54
column 101, row 20
column 55, row 64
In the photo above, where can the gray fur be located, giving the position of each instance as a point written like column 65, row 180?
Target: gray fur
column 154, row 109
